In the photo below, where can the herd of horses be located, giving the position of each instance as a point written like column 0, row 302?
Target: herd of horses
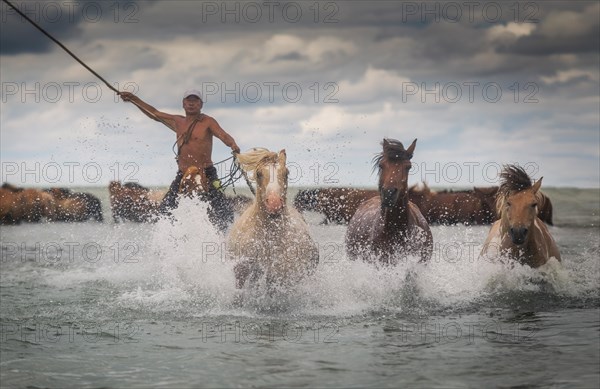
column 56, row 204
column 475, row 206
column 128, row 202
column 271, row 241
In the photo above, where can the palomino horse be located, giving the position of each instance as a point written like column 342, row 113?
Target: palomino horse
column 389, row 226
column 337, row 204
column 270, row 238
column 520, row 234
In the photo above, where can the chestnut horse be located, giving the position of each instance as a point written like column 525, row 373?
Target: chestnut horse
column 270, row 238
column 25, row 204
column 75, row 206
column 520, row 234
column 337, row 204
column 193, row 184
column 453, row 207
column 390, row 226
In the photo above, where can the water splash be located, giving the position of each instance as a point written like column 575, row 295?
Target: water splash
column 182, row 270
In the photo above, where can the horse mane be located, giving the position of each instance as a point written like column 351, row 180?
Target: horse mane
column 253, row 159
column 513, row 179
column 393, row 150
column 134, row 185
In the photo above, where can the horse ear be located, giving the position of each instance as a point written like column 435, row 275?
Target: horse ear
column 282, row 157
column 412, row 146
column 537, row 185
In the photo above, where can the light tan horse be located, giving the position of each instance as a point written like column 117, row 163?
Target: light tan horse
column 520, row 234
column 270, row 238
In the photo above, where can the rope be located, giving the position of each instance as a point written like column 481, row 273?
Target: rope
column 148, row 113
column 235, row 173
column 61, row 45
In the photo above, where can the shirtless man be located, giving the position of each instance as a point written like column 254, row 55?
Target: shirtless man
column 195, row 132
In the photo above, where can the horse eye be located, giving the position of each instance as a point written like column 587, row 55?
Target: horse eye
column 533, row 205
column 259, row 174
column 508, row 204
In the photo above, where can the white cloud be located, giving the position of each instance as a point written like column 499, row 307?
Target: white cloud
column 563, row 76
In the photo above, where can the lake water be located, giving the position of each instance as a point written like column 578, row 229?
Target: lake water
column 92, row 305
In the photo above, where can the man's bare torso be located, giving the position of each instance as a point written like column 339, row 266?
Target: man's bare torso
column 197, row 150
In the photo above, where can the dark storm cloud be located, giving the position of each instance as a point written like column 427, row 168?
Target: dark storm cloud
column 61, row 19
column 585, row 39
column 293, row 56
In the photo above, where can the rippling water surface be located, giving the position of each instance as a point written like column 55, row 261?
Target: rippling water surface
column 152, row 305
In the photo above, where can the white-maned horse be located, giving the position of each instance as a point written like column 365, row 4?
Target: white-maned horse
column 270, row 238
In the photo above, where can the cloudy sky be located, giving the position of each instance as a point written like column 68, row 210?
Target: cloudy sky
column 479, row 84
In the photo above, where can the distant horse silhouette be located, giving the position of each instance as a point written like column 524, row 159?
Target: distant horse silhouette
column 29, row 205
column 390, row 226
column 270, row 238
column 520, row 234
column 337, row 204
column 453, row 207
column 11, row 211
column 133, row 202
column 75, row 206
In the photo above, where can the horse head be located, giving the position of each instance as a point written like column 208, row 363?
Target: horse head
column 271, row 176
column 394, row 165
column 192, row 181
column 272, row 182
column 517, row 203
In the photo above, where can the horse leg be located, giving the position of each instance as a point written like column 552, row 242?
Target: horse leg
column 220, row 212
column 242, row 271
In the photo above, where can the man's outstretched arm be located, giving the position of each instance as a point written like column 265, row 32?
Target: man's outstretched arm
column 150, row 111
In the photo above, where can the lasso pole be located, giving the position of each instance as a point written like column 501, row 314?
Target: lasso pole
column 150, row 114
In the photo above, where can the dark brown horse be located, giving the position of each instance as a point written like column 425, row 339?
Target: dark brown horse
column 75, row 206
column 453, row 207
column 388, row 227
column 133, row 202
column 337, row 204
